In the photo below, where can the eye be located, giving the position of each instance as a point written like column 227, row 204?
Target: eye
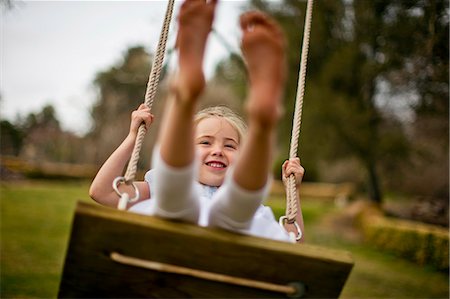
column 232, row 146
column 204, row 142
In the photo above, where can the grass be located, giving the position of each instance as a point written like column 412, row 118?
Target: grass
column 390, row 277
column 375, row 274
column 35, row 226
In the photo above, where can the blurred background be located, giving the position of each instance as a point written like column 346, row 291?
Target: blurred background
column 374, row 138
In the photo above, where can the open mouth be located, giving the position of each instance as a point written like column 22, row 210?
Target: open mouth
column 216, row 164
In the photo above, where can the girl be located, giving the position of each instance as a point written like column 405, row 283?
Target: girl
column 204, row 171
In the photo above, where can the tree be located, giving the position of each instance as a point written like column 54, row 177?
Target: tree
column 11, row 138
column 356, row 46
column 44, row 140
column 423, row 72
column 231, row 72
column 46, row 118
column 7, row 4
column 121, row 89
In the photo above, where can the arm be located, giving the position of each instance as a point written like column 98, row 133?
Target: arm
column 101, row 189
column 292, row 166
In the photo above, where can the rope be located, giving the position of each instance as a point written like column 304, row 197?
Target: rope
column 291, row 192
column 150, row 93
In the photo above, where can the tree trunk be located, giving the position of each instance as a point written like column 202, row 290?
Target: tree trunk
column 373, row 183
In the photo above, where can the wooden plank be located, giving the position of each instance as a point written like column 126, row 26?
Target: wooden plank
column 98, row 231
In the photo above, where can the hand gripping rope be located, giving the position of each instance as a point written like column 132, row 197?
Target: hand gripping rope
column 291, row 192
column 150, row 93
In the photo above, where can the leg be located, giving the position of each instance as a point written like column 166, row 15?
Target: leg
column 176, row 195
column 176, row 138
column 263, row 48
column 233, row 207
column 177, row 131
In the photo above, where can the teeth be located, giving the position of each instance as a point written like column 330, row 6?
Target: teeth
column 216, row 165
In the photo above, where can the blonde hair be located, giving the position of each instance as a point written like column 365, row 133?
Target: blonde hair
column 229, row 115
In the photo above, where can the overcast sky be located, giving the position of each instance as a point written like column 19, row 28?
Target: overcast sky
column 52, row 50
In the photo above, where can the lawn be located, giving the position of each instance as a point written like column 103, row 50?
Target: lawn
column 35, row 224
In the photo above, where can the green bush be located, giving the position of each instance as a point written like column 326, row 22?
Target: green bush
column 421, row 243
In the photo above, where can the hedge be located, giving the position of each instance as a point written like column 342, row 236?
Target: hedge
column 421, row 243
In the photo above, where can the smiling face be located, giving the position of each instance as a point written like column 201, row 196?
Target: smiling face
column 217, row 143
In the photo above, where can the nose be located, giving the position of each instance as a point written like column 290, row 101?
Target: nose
column 217, row 150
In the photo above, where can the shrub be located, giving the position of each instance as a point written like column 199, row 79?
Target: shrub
column 421, row 243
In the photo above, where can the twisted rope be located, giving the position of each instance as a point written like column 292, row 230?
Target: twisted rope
column 150, row 93
column 291, row 192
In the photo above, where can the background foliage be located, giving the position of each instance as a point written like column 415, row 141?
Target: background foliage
column 376, row 106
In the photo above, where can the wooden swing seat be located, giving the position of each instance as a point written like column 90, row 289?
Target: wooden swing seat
column 105, row 243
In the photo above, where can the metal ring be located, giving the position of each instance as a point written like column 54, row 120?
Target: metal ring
column 284, row 219
column 300, row 289
column 121, row 180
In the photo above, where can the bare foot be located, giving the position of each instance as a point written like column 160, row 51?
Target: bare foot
column 263, row 46
column 195, row 22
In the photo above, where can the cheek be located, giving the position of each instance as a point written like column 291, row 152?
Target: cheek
column 198, row 149
column 232, row 157
column 201, row 153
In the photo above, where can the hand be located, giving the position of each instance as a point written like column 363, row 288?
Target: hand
column 293, row 166
column 139, row 116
